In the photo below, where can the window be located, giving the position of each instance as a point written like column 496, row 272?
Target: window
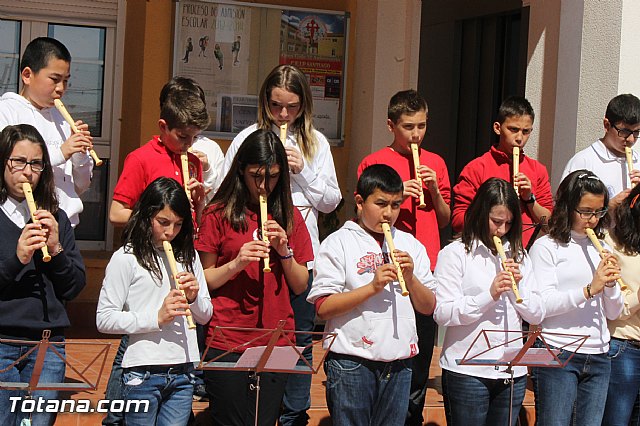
column 9, row 55
column 84, row 93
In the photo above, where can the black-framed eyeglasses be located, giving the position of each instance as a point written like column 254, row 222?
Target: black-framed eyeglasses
column 586, row 215
column 625, row 133
column 20, row 164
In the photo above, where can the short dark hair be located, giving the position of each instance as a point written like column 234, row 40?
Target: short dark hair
column 40, row 51
column 626, row 233
column 178, row 83
column 378, row 176
column 623, row 109
column 44, row 193
column 493, row 192
column 137, row 237
column 406, row 102
column 182, row 104
column 515, row 106
column 568, row 196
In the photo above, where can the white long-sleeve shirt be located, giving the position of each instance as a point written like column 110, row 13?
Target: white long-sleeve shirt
column 563, row 271
column 129, row 302
column 610, row 168
column 212, row 177
column 465, row 306
column 314, row 189
column 73, row 176
column 382, row 328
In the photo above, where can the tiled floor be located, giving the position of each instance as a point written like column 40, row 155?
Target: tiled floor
column 433, row 412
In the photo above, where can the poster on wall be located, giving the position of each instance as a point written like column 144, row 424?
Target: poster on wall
column 315, row 43
column 211, row 49
column 229, row 47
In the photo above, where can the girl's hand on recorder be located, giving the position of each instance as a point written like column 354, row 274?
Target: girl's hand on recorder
column 188, row 284
column 174, row 305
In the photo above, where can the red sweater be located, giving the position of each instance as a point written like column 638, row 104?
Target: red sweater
column 495, row 163
column 421, row 223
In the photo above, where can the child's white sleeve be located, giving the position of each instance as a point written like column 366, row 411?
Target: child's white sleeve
column 329, row 273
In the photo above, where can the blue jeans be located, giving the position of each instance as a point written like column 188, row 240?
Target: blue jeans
column 169, row 395
column 470, row 400
column 367, row 393
column 297, row 393
column 52, row 372
column 114, row 385
column 574, row 394
column 624, row 383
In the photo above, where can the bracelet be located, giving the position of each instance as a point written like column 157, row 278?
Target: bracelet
column 288, row 255
column 59, row 250
column 589, row 295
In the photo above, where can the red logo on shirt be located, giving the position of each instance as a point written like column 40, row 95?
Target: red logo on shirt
column 414, row 349
column 369, row 263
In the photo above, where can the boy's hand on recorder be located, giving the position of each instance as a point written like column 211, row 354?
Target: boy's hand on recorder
column 77, row 142
column 385, row 274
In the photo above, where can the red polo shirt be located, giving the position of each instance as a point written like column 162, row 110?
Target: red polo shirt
column 146, row 164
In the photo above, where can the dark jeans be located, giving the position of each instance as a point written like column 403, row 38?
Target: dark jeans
column 361, row 392
column 470, row 400
column 624, row 384
column 575, row 394
column 426, row 327
column 232, row 396
column 297, row 394
column 169, row 394
column 115, row 387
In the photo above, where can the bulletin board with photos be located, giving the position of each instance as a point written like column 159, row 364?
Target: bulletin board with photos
column 229, row 48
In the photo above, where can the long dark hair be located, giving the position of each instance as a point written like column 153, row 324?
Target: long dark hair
column 626, row 232
column 137, row 236
column 44, row 194
column 263, row 148
column 568, row 196
column 493, row 192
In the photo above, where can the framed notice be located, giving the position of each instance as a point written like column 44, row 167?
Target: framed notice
column 229, row 48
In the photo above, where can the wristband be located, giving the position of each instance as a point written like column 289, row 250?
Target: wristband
column 288, row 255
column 589, row 295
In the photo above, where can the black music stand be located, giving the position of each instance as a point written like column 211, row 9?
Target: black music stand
column 269, row 358
column 525, row 356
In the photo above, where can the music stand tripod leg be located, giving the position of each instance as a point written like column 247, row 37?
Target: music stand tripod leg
column 510, row 396
column 256, row 387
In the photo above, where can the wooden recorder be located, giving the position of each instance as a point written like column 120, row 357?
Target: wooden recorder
column 391, row 246
column 415, row 151
column 168, row 249
column 516, row 167
column 28, row 194
column 596, row 243
column 67, row 117
column 263, row 219
column 503, row 257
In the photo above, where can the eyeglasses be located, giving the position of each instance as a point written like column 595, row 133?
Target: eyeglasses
column 20, row 164
column 586, row 215
column 625, row 133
